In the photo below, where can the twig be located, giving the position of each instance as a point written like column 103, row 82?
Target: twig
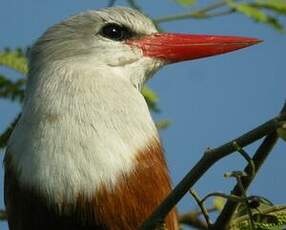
column 194, row 14
column 244, row 196
column 231, row 197
column 209, row 158
column 202, row 207
column 273, row 209
column 212, row 6
column 134, row 5
column 246, row 157
column 218, row 14
column 258, row 159
column 192, row 219
column 111, row 3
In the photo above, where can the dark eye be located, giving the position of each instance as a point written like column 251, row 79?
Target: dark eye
column 115, row 32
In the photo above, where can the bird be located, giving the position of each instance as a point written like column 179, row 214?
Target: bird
column 85, row 153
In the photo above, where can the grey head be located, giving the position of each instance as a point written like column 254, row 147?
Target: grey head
column 98, row 36
column 117, row 41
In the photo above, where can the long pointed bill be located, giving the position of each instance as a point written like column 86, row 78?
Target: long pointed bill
column 173, row 47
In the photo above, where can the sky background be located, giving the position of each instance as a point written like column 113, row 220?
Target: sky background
column 209, row 101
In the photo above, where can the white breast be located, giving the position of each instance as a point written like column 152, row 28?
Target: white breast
column 76, row 134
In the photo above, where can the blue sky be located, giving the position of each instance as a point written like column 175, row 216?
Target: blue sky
column 209, row 101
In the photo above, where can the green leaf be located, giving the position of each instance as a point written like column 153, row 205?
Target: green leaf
column 263, row 218
column 163, row 124
column 3, row 215
column 270, row 218
column 151, row 98
column 219, row 202
column 6, row 134
column 186, row 2
column 278, row 6
column 12, row 90
column 282, row 131
column 15, row 60
column 256, row 14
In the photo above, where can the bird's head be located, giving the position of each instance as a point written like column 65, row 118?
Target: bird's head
column 122, row 41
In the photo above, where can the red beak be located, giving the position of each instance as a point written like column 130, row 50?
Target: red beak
column 173, row 47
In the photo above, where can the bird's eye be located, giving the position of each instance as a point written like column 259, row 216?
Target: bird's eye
column 115, row 32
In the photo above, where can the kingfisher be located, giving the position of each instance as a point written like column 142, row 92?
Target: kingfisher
column 85, row 153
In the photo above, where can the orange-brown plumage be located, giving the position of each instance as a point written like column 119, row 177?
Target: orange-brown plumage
column 125, row 207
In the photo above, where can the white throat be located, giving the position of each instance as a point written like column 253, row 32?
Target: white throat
column 78, row 130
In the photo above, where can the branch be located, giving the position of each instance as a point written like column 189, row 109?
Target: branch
column 201, row 206
column 258, row 159
column 192, row 219
column 134, row 5
column 111, row 3
column 244, row 196
column 218, row 14
column 223, row 195
column 278, row 211
column 201, row 13
column 247, row 158
column 210, row 157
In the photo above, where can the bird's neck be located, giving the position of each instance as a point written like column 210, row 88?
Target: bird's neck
column 79, row 130
column 85, row 155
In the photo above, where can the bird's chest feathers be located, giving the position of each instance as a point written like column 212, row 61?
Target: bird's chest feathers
column 125, row 205
column 76, row 145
